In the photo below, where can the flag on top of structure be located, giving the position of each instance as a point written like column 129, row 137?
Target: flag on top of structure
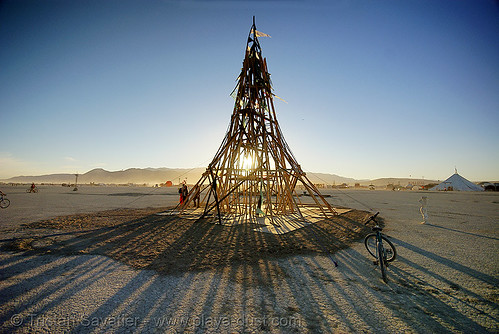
column 259, row 33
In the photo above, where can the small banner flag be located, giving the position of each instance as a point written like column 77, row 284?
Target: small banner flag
column 259, row 33
column 280, row 99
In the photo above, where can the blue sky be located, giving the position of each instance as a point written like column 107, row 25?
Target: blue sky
column 374, row 88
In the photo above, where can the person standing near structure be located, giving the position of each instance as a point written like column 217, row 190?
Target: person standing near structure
column 181, row 194
column 196, row 197
column 185, row 192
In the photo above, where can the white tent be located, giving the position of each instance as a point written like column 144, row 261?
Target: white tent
column 457, row 182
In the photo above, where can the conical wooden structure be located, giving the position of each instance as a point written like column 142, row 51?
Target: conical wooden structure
column 254, row 173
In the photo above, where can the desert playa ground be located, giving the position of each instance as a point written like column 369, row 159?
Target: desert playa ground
column 102, row 260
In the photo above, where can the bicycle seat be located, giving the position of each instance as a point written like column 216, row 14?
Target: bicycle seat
column 377, row 228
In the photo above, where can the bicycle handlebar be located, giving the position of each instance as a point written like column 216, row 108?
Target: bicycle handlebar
column 373, row 218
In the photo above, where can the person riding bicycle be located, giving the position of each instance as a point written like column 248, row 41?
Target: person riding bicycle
column 33, row 186
column 4, row 202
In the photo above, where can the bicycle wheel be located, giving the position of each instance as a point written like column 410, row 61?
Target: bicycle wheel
column 4, row 203
column 381, row 260
column 28, row 190
column 370, row 243
column 390, row 251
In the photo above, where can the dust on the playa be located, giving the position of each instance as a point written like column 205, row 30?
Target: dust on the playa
column 172, row 244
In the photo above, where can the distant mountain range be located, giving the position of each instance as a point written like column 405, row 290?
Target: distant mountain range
column 152, row 176
column 132, row 175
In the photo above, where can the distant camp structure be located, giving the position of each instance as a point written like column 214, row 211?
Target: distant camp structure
column 254, row 174
column 457, row 183
column 489, row 186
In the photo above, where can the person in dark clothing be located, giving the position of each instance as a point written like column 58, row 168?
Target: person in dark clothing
column 185, row 192
column 196, row 199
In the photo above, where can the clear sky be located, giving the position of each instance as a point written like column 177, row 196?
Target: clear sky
column 374, row 88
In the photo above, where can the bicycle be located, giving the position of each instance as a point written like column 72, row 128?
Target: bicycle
column 375, row 247
column 32, row 190
column 4, row 202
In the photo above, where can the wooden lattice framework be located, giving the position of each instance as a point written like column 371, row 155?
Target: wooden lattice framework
column 254, row 173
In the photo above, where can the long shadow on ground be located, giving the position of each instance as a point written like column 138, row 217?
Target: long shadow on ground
column 293, row 294
column 170, row 244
